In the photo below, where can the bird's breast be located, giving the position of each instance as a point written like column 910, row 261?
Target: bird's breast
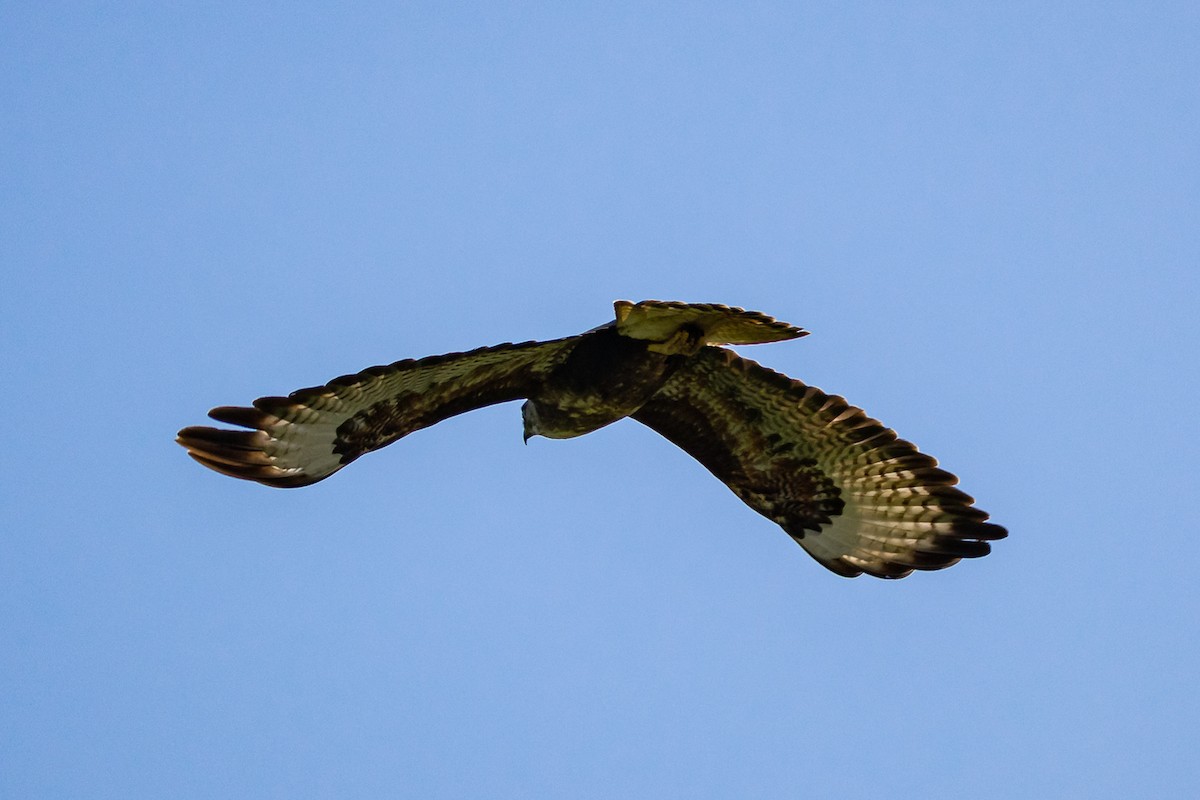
column 606, row 377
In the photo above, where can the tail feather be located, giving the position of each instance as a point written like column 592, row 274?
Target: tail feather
column 659, row 320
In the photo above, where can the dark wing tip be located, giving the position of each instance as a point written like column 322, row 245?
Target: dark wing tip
column 238, row 454
column 236, row 448
column 268, row 476
column 977, row 529
column 969, row 537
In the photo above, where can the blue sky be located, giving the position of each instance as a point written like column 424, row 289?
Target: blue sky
column 986, row 214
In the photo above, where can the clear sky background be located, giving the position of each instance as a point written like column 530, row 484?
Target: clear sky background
column 988, row 215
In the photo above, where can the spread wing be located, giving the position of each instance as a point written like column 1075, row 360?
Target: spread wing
column 312, row 433
column 854, row 496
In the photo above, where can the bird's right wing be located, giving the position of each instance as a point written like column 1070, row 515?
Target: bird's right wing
column 312, row 433
column 854, row 496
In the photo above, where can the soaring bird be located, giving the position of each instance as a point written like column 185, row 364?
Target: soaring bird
column 853, row 495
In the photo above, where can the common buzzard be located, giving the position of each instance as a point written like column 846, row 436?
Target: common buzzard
column 842, row 485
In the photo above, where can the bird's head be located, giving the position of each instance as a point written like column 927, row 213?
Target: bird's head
column 529, row 417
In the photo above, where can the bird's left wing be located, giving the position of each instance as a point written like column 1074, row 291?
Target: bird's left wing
column 312, row 433
column 854, row 496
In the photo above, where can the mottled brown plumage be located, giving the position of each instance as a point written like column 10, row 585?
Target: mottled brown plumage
column 856, row 497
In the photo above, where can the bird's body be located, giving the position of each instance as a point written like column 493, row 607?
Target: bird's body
column 602, row 378
column 841, row 484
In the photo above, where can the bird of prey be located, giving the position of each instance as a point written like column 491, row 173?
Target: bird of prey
column 853, row 495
